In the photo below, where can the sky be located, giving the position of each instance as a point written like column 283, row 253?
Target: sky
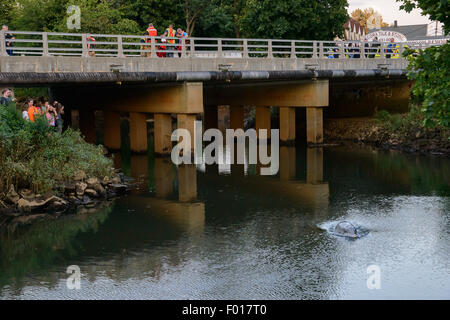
column 390, row 11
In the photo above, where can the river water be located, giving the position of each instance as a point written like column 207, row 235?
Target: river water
column 227, row 233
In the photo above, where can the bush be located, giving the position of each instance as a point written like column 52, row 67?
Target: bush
column 33, row 156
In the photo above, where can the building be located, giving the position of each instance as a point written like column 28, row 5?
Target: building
column 354, row 30
column 424, row 33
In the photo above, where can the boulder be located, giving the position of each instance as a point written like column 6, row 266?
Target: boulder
column 80, row 175
column 69, row 188
column 91, row 182
column 116, row 180
column 80, row 188
column 12, row 196
column 118, row 188
column 106, row 181
column 91, row 193
column 27, row 194
column 33, row 205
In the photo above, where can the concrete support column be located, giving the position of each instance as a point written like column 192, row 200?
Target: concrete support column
column 187, row 121
column 211, row 117
column 314, row 165
column 236, row 117
column 138, row 132
column 187, row 183
column 111, row 129
column 314, row 125
column 87, row 124
column 163, row 133
column 287, row 125
column 263, row 120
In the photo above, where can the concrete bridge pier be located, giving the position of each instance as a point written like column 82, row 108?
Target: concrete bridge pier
column 187, row 121
column 287, row 163
column 263, row 120
column 111, row 130
column 287, row 125
column 138, row 132
column 314, row 125
column 163, row 133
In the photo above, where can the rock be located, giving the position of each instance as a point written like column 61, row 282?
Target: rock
column 106, row 181
column 12, row 196
column 116, row 180
column 80, row 188
column 69, row 188
column 80, row 175
column 91, row 182
column 91, row 193
column 29, row 206
column 118, row 188
column 27, row 194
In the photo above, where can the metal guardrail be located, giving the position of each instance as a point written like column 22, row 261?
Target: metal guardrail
column 75, row 44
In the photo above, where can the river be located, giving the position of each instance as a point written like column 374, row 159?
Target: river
column 228, row 233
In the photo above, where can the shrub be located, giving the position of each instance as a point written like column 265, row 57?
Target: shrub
column 33, row 156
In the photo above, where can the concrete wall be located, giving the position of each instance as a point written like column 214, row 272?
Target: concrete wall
column 140, row 64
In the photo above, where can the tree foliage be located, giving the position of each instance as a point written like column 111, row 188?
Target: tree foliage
column 301, row 19
column 369, row 18
column 431, row 68
column 294, row 19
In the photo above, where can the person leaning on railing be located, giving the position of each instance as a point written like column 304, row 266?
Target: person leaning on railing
column 91, row 45
column 8, row 40
column 150, row 32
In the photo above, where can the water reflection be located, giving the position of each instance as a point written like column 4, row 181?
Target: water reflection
column 217, row 232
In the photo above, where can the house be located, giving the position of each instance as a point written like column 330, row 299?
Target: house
column 354, row 30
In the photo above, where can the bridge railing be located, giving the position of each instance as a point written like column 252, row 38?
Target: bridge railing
column 26, row 43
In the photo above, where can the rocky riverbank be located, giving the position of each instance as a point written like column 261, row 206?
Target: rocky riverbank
column 411, row 139
column 81, row 195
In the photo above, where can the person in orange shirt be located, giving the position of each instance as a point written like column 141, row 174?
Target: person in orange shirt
column 32, row 110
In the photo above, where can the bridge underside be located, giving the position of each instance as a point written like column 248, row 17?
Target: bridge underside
column 152, row 97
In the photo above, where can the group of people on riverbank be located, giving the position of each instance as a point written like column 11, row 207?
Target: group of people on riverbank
column 52, row 112
column 371, row 50
column 169, row 45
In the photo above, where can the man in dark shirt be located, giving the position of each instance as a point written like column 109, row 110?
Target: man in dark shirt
column 6, row 97
column 8, row 42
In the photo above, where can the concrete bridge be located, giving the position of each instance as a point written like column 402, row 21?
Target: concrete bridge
column 120, row 74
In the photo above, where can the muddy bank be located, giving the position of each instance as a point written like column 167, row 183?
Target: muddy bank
column 369, row 131
column 82, row 195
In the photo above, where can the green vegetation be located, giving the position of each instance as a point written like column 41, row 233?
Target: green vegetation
column 430, row 69
column 33, row 156
column 408, row 124
column 297, row 19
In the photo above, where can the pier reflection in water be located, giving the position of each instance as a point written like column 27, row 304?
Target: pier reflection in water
column 226, row 232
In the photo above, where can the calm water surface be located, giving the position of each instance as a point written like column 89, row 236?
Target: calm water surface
column 228, row 233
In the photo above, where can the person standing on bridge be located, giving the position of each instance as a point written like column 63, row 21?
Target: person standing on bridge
column 8, row 40
column 91, row 45
column 171, row 34
column 150, row 32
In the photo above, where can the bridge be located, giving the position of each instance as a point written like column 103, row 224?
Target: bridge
column 148, row 78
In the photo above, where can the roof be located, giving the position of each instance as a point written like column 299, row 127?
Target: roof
column 411, row 32
column 354, row 26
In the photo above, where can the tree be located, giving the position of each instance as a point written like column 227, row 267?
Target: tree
column 6, row 11
column 294, row 19
column 369, row 18
column 192, row 10
column 431, row 68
